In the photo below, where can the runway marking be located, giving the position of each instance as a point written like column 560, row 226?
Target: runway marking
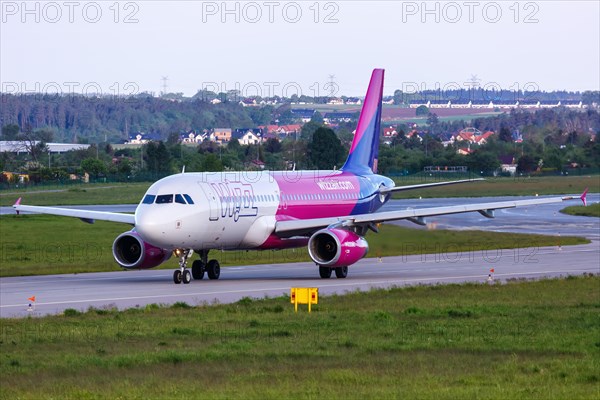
column 585, row 248
column 287, row 288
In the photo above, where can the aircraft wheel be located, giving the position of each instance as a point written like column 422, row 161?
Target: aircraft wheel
column 325, row 272
column 341, row 272
column 198, row 269
column 177, row 276
column 186, row 276
column 214, row 269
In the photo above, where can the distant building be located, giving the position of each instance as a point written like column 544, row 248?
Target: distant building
column 19, row 147
column 339, row 116
column 192, row 137
column 282, row 130
column 248, row 136
column 143, row 138
column 248, row 103
column 354, row 101
column 304, row 114
column 507, row 164
column 222, row 135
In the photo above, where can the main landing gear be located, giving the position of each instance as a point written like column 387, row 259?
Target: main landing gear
column 199, row 267
column 340, row 272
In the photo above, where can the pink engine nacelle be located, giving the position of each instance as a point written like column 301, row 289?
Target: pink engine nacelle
column 336, row 248
column 131, row 252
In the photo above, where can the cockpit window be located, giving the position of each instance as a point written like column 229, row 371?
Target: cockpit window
column 149, row 199
column 164, row 199
column 188, row 198
column 179, row 199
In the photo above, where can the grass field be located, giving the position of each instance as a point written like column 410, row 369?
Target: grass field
column 519, row 340
column 45, row 244
column 110, row 193
column 592, row 210
column 517, row 186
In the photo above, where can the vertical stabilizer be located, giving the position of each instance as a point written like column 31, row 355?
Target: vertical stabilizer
column 364, row 151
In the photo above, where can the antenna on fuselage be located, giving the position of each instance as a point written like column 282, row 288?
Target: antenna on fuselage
column 183, row 170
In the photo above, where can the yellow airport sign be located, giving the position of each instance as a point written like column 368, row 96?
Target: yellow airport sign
column 304, row 296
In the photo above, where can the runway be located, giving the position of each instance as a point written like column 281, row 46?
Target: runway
column 126, row 289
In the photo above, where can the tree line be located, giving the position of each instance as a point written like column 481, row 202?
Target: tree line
column 554, row 140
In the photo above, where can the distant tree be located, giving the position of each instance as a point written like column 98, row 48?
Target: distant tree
column 94, row 167
column 261, row 115
column 125, row 167
column 505, row 135
column 345, row 135
column 398, row 96
column 158, row 158
column 482, row 161
column 433, row 122
column 526, row 163
column 10, row 132
column 589, row 97
column 285, row 116
column 422, row 111
column 317, row 118
column 173, row 138
column 325, row 150
column 308, row 129
column 211, row 163
column 234, row 146
column 273, row 145
column 35, row 142
column 432, row 119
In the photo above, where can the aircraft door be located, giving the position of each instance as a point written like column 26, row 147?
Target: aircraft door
column 214, row 203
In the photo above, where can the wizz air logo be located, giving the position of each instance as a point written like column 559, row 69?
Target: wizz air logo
column 237, row 199
column 335, row 185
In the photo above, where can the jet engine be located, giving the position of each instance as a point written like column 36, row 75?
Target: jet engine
column 131, row 252
column 336, row 247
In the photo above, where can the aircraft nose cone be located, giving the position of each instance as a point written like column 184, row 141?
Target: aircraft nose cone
column 149, row 225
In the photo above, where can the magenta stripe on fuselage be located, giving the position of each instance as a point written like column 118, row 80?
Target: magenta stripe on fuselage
column 317, row 194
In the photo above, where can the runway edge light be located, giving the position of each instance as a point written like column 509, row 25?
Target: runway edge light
column 304, row 296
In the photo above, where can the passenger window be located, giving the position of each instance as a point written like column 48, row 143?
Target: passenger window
column 149, row 199
column 179, row 199
column 164, row 199
column 188, row 198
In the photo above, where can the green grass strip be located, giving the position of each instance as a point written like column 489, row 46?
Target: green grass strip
column 524, row 339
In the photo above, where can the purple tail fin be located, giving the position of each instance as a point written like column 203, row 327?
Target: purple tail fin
column 364, row 151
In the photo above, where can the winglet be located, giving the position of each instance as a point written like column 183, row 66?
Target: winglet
column 17, row 203
column 584, row 197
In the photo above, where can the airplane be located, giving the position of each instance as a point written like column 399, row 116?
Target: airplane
column 330, row 212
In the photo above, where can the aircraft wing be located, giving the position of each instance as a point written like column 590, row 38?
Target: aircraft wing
column 303, row 227
column 85, row 215
column 385, row 190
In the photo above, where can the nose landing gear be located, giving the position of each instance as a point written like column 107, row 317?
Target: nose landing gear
column 182, row 274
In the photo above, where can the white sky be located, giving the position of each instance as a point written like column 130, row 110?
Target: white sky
column 57, row 46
